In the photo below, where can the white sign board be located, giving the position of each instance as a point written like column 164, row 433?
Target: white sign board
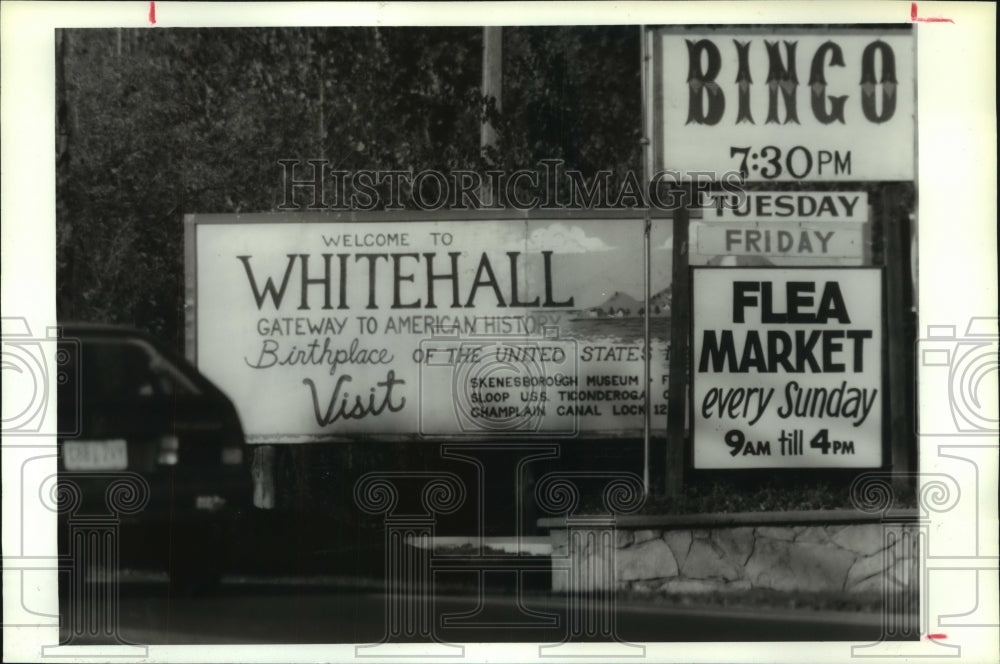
column 790, row 206
column 787, row 368
column 794, row 104
column 387, row 329
column 792, row 225
column 801, row 240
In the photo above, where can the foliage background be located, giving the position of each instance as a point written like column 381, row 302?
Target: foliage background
column 155, row 124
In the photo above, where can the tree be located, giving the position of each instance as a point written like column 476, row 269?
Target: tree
column 154, row 124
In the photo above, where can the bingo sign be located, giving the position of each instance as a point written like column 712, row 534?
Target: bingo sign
column 794, row 104
column 787, row 368
column 403, row 327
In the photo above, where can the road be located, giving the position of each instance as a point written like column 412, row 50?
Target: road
column 304, row 611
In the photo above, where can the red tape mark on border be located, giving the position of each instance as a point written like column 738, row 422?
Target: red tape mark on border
column 919, row 19
column 937, row 637
column 152, row 12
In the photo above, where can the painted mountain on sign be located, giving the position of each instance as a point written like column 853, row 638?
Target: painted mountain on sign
column 623, row 305
column 659, row 303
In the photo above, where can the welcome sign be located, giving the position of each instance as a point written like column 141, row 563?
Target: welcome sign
column 787, row 368
column 407, row 326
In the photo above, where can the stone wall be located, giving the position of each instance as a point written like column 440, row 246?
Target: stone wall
column 847, row 558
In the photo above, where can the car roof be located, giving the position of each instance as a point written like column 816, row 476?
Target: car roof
column 84, row 329
column 103, row 328
column 72, row 329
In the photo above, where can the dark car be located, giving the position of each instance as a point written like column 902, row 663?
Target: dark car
column 134, row 412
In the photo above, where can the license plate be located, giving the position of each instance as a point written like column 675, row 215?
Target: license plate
column 95, row 455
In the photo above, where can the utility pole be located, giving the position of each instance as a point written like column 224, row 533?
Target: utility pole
column 492, row 79
column 492, row 88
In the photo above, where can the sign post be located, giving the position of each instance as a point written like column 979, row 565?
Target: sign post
column 679, row 326
column 901, row 424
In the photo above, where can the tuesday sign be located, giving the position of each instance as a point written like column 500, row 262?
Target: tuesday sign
column 792, row 104
column 401, row 327
column 795, row 224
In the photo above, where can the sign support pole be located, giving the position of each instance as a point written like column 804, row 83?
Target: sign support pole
column 645, row 146
column 680, row 316
column 647, row 405
column 900, row 420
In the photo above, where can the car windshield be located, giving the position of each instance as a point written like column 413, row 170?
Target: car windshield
column 130, row 368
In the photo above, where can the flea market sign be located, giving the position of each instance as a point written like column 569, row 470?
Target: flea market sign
column 399, row 327
column 787, row 368
column 785, row 104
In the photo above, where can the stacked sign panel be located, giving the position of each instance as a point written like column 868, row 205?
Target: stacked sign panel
column 787, row 339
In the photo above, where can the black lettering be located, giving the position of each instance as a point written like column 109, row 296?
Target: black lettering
column 783, row 78
column 799, row 296
column 484, row 266
column 742, row 298
column 743, row 82
column 817, row 83
column 276, row 294
column 372, row 260
column 721, row 352
column 701, row 83
column 452, row 276
column 888, row 81
column 306, row 281
column 831, row 305
column 514, row 302
column 397, row 277
column 549, row 302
